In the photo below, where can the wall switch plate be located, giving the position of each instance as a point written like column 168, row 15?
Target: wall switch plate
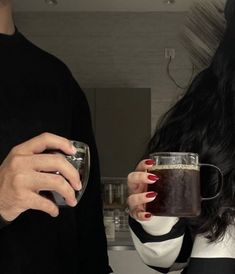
column 169, row 53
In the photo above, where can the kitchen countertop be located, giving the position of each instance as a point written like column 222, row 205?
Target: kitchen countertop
column 122, row 241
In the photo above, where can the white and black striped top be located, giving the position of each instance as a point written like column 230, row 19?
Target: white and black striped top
column 165, row 244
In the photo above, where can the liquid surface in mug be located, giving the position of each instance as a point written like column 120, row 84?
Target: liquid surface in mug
column 178, row 191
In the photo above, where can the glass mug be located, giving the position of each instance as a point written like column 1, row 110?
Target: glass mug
column 81, row 161
column 178, row 187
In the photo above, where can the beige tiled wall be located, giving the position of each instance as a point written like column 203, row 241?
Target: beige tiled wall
column 115, row 49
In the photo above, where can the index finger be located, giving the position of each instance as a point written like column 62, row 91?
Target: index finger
column 144, row 165
column 43, row 142
column 137, row 181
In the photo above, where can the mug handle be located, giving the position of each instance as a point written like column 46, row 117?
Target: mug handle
column 221, row 183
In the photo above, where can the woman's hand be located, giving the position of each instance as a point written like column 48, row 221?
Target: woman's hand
column 137, row 186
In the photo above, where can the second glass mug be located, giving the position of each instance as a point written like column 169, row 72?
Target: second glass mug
column 81, row 161
column 178, row 187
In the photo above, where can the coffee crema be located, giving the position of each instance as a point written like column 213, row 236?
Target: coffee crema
column 174, row 166
column 178, row 191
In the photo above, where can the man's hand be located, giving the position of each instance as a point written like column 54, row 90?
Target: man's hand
column 26, row 171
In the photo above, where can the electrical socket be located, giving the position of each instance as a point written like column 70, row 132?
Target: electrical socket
column 169, row 53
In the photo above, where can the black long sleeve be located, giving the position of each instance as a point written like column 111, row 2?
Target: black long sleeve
column 38, row 94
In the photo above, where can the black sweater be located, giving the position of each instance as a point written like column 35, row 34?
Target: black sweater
column 38, row 94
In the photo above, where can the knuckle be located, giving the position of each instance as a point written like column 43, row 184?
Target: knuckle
column 46, row 135
column 142, row 177
column 20, row 197
column 15, row 150
column 58, row 181
column 59, row 158
column 65, row 140
column 17, row 181
column 135, row 179
column 130, row 176
column 15, row 162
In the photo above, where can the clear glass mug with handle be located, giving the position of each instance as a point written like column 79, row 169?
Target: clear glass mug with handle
column 179, row 185
column 81, row 161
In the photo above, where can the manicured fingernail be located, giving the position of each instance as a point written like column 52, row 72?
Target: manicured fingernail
column 149, row 162
column 153, row 177
column 148, row 215
column 151, row 195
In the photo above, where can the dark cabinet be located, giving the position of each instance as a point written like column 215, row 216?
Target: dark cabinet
column 122, row 125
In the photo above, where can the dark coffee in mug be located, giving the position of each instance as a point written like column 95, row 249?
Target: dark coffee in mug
column 178, row 191
column 178, row 187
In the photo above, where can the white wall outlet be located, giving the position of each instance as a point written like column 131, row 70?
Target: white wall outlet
column 169, row 53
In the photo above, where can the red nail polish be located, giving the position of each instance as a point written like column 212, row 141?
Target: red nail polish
column 148, row 215
column 149, row 162
column 153, row 178
column 151, row 195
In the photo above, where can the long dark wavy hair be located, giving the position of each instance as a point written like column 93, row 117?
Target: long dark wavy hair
column 203, row 122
